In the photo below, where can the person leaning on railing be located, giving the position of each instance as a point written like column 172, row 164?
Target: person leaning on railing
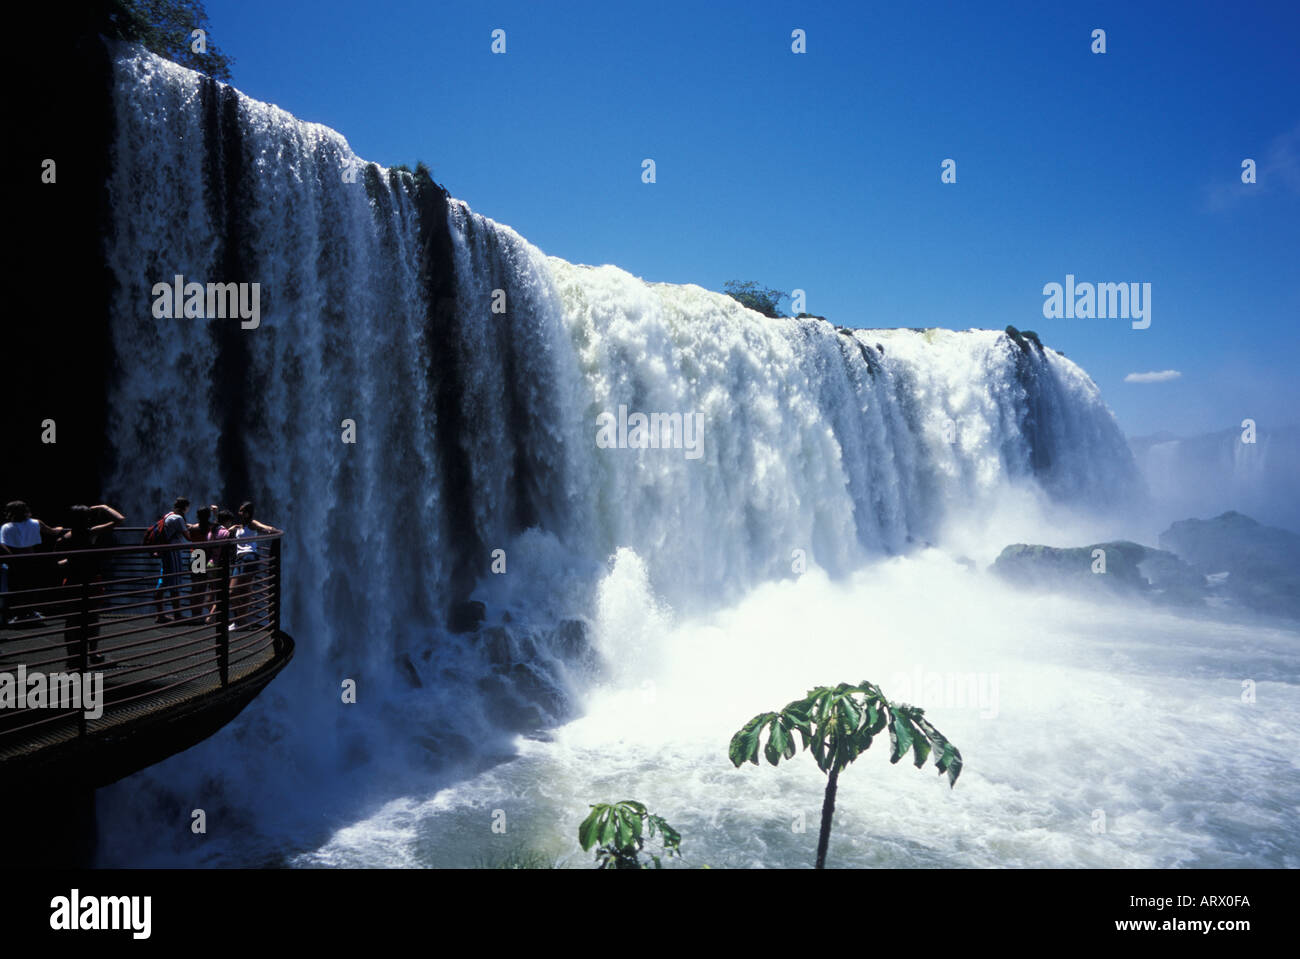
column 247, row 558
column 85, row 566
column 22, row 534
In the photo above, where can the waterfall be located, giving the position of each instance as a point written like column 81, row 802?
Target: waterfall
column 476, row 371
column 1235, row 469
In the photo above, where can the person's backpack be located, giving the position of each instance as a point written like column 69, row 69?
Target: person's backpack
column 155, row 535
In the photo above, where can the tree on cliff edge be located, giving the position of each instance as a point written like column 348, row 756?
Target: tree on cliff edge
column 167, row 27
column 757, row 298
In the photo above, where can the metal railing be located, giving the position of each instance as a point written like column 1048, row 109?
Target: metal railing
column 155, row 630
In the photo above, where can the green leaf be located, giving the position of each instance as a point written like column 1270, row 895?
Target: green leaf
column 954, row 767
column 879, row 724
column 608, row 828
column 936, row 740
column 921, row 750
column 862, row 741
column 744, row 745
column 777, row 738
column 819, row 751
column 820, row 704
column 899, row 736
column 849, row 714
column 790, row 747
column 587, row 831
column 671, row 837
column 942, row 756
column 948, row 756
column 800, row 708
column 795, row 716
column 624, row 834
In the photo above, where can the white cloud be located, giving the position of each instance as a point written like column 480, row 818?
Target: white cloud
column 1164, row 376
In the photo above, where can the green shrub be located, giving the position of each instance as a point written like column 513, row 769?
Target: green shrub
column 750, row 294
column 164, row 27
column 619, row 830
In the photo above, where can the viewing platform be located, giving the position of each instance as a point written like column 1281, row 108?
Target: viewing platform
column 93, row 688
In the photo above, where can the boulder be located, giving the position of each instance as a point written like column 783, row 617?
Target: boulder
column 464, row 617
column 1130, row 569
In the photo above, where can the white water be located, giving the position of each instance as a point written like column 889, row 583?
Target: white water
column 1129, row 714
column 683, row 570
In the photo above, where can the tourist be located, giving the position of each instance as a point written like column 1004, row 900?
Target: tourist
column 173, row 529
column 247, row 558
column 219, row 523
column 220, row 552
column 200, row 533
column 84, row 567
column 22, row 533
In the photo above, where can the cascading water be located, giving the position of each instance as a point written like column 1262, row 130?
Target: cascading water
column 475, row 370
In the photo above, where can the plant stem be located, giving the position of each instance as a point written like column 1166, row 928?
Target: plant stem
column 828, row 810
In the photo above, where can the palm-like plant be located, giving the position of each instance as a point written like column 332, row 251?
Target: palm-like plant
column 838, row 724
column 619, row 830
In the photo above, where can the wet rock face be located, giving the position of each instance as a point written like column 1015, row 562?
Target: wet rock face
column 464, row 617
column 1025, row 339
column 533, row 672
column 569, row 643
column 572, row 642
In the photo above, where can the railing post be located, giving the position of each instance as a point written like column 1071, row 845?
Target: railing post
column 223, row 621
column 83, row 628
column 276, row 571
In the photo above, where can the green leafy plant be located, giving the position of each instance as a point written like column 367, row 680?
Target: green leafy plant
column 838, row 725
column 750, row 294
column 619, row 830
column 166, row 27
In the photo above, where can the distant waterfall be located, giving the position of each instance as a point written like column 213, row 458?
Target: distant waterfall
column 476, row 370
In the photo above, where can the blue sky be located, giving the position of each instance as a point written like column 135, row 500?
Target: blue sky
column 821, row 171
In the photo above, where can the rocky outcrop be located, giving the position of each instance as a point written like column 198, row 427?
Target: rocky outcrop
column 1251, row 565
column 529, row 669
column 1119, row 567
column 1230, row 561
column 465, row 616
column 1025, row 339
